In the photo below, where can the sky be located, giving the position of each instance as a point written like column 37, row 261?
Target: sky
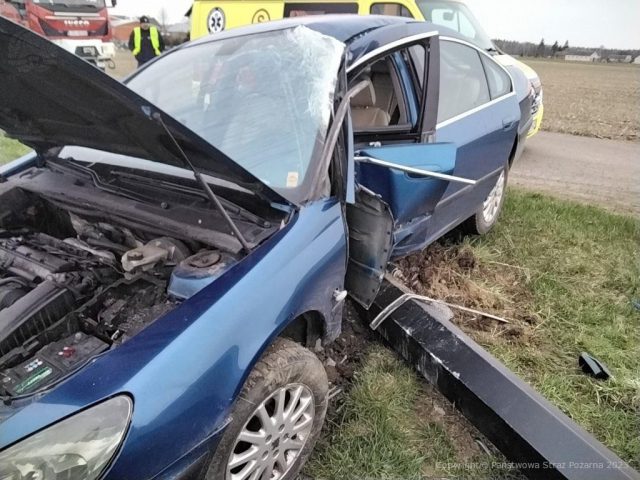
column 589, row 23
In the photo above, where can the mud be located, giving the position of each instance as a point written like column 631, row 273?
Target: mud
column 450, row 272
column 342, row 358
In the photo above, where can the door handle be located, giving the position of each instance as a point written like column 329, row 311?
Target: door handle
column 508, row 124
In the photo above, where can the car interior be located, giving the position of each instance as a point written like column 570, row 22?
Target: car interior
column 377, row 105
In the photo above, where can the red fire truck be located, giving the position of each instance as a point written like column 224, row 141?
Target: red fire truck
column 79, row 26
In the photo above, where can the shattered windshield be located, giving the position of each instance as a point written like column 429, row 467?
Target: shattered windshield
column 265, row 100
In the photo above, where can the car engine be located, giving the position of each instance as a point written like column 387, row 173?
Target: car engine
column 71, row 289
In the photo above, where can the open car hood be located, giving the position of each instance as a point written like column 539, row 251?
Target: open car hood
column 50, row 98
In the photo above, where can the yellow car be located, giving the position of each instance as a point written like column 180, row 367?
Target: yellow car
column 212, row 16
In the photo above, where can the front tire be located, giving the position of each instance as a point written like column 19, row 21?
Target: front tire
column 277, row 418
column 487, row 215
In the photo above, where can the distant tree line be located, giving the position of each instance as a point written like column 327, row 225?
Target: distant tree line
column 529, row 49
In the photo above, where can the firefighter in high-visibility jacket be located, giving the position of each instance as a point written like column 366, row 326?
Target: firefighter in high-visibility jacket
column 145, row 42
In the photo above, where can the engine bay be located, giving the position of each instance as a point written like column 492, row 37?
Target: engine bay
column 72, row 288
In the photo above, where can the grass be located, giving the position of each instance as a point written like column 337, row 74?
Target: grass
column 10, row 149
column 580, row 268
column 385, row 430
column 596, row 100
column 564, row 275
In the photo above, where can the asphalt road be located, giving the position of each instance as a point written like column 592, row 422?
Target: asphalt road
column 589, row 170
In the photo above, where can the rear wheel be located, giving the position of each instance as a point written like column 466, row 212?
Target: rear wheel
column 489, row 212
column 276, row 419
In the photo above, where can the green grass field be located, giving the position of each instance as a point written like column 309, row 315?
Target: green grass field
column 565, row 276
column 10, row 149
column 575, row 271
column 386, row 429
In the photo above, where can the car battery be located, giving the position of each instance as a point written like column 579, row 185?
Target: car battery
column 51, row 363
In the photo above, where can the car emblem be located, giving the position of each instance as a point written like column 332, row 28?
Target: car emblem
column 216, row 20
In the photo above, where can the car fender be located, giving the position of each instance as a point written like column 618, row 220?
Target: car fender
column 185, row 370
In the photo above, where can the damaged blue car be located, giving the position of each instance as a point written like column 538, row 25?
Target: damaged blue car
column 175, row 243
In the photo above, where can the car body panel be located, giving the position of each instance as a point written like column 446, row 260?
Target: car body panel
column 483, row 151
column 186, row 369
column 532, row 76
column 192, row 362
column 409, row 197
column 231, row 14
column 486, row 139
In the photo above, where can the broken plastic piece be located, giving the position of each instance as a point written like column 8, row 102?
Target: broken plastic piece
column 392, row 307
column 593, row 367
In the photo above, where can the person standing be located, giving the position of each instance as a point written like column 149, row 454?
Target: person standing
column 145, row 42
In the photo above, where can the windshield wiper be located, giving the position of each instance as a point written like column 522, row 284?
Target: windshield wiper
column 198, row 177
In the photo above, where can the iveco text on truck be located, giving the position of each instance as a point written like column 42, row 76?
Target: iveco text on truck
column 79, row 26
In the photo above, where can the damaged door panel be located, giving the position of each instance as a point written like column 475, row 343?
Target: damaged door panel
column 370, row 224
column 409, row 195
column 394, row 194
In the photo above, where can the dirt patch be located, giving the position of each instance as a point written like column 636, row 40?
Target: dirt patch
column 342, row 358
column 450, row 272
column 595, row 100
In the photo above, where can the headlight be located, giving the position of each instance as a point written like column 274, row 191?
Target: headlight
column 78, row 448
column 537, row 100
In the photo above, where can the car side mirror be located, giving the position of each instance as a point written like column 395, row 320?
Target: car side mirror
column 448, row 16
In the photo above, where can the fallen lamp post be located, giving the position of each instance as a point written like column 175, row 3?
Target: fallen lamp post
column 540, row 440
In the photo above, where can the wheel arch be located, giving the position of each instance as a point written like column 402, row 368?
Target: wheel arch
column 306, row 328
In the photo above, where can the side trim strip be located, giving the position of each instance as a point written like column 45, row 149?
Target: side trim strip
column 474, row 110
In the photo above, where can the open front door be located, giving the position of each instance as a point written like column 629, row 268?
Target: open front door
column 400, row 175
column 398, row 189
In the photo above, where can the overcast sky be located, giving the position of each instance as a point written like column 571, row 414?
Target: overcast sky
column 590, row 23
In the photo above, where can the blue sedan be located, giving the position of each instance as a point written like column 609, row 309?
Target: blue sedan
column 174, row 244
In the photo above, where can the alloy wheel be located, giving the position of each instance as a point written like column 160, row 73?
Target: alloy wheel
column 274, row 436
column 491, row 205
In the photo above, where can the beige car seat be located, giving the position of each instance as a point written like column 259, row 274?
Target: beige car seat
column 364, row 112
